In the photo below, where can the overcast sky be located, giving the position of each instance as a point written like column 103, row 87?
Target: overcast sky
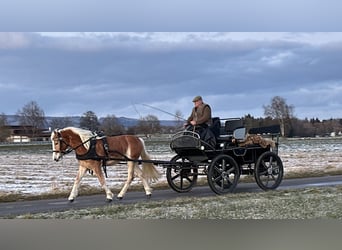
column 115, row 73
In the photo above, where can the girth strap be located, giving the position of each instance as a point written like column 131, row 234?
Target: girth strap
column 104, row 167
column 106, row 149
column 92, row 154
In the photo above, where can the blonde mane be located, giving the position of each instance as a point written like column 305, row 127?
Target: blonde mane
column 84, row 134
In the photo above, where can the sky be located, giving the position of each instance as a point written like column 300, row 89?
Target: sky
column 237, row 73
column 175, row 15
column 111, row 56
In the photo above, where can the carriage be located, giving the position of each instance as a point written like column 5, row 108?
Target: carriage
column 229, row 153
column 235, row 153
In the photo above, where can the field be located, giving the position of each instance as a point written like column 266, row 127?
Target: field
column 29, row 170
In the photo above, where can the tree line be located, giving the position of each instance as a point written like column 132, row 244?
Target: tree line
column 277, row 112
column 32, row 119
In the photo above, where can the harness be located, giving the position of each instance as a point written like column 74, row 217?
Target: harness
column 91, row 153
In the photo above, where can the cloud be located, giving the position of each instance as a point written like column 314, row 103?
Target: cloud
column 237, row 73
column 13, row 40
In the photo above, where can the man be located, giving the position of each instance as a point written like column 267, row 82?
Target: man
column 200, row 120
column 201, row 113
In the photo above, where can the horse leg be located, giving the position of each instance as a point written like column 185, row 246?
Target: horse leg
column 148, row 189
column 102, row 180
column 74, row 191
column 130, row 177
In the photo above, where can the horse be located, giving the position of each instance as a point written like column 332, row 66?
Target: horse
column 92, row 151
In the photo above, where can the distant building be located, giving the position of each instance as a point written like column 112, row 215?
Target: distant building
column 18, row 134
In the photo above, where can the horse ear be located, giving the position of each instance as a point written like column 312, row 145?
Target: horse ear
column 58, row 132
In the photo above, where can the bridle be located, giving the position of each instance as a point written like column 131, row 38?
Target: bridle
column 61, row 141
column 69, row 148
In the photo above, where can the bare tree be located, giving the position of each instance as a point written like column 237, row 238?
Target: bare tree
column 179, row 118
column 278, row 109
column 89, row 121
column 149, row 125
column 32, row 118
column 4, row 132
column 111, row 126
column 60, row 122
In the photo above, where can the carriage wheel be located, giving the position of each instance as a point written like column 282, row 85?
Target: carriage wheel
column 182, row 176
column 268, row 171
column 223, row 174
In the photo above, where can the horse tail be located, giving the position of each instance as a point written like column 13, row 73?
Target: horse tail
column 149, row 171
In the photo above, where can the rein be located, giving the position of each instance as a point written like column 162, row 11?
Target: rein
column 91, row 154
column 70, row 148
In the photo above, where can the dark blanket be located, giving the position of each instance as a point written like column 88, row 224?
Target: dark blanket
column 205, row 134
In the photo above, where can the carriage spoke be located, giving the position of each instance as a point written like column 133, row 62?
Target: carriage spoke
column 223, row 171
column 228, row 182
column 271, row 160
column 188, row 179
column 175, row 177
column 222, row 183
column 218, row 178
column 181, row 182
column 265, row 167
column 231, row 170
column 263, row 173
column 218, row 170
column 267, row 179
column 223, row 165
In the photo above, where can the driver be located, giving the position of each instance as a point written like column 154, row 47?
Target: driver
column 201, row 114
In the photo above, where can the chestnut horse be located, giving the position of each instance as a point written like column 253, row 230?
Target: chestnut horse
column 111, row 149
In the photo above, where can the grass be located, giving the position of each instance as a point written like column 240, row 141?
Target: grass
column 309, row 203
column 328, row 171
column 90, row 190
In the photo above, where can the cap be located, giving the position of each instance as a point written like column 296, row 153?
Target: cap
column 197, row 98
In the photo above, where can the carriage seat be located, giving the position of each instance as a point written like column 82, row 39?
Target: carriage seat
column 215, row 126
column 233, row 128
column 230, row 126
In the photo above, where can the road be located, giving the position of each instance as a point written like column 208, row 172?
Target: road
column 53, row 205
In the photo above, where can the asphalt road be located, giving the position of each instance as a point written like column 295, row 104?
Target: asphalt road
column 62, row 204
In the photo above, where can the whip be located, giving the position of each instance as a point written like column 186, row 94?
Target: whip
column 166, row 112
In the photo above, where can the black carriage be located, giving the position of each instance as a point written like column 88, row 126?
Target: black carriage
column 227, row 159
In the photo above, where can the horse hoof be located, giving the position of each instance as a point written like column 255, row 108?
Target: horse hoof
column 71, row 201
column 119, row 198
column 109, row 200
column 148, row 196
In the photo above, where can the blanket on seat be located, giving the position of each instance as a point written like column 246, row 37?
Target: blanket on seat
column 252, row 139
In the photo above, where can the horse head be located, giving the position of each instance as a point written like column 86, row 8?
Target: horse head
column 60, row 146
column 68, row 139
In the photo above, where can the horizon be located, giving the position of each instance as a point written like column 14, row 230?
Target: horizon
column 223, row 118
